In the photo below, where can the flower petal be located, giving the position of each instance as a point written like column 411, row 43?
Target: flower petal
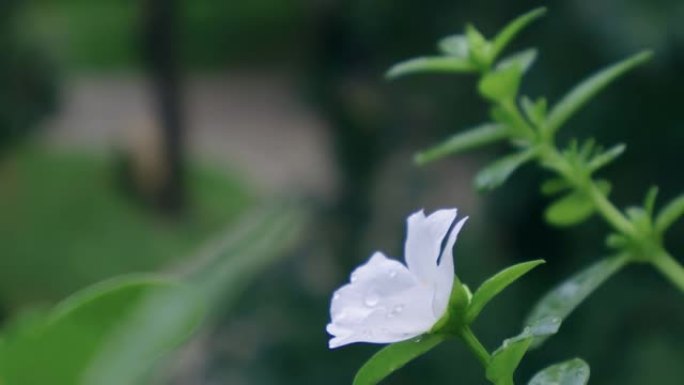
column 424, row 241
column 384, row 303
column 445, row 272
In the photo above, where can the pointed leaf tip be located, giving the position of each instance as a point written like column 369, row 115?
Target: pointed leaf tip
column 432, row 64
column 590, row 87
column 496, row 284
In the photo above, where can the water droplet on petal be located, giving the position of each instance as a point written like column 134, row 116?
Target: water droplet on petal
column 371, row 299
column 392, row 273
column 354, row 277
column 396, row 310
column 336, row 296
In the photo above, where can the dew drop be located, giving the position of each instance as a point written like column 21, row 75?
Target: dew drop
column 371, row 299
column 354, row 277
column 336, row 296
column 396, row 310
column 392, row 273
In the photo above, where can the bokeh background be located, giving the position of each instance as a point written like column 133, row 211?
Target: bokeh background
column 134, row 132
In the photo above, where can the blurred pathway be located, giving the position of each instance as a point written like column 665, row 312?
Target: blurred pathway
column 253, row 124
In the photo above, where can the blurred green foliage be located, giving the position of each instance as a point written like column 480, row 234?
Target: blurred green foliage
column 27, row 78
column 106, row 34
column 65, row 224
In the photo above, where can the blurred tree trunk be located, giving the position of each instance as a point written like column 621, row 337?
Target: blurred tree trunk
column 160, row 45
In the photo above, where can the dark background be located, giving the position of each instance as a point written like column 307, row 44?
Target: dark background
column 131, row 132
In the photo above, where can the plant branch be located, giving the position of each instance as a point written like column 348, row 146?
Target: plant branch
column 670, row 268
column 475, row 346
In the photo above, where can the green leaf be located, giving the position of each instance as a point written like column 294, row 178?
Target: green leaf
column 496, row 173
column 436, row 64
column 505, row 359
column 57, row 348
column 564, row 298
column 572, row 372
column 494, row 285
column 473, row 138
column 554, row 186
column 573, row 208
column 480, row 48
column 523, row 59
column 670, row 214
column 587, row 89
column 606, row 157
column 141, row 339
column 513, row 28
column 569, row 210
column 393, row 357
column 535, row 112
column 650, row 200
column 502, row 84
column 456, row 45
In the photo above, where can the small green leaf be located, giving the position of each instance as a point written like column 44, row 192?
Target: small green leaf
column 572, row 372
column 639, row 217
column 480, row 48
column 496, row 173
column 606, row 157
column 650, row 200
column 505, row 359
column 563, row 299
column 569, row 210
column 583, row 92
column 495, row 284
column 523, row 59
column 473, row 138
column 535, row 112
column 431, row 65
column 456, row 45
column 502, row 84
column 513, row 28
column 573, row 208
column 554, row 186
column 670, row 214
column 393, row 357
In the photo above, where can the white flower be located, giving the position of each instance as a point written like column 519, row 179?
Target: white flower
column 388, row 302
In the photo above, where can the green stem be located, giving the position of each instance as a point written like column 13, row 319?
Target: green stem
column 475, row 346
column 670, row 268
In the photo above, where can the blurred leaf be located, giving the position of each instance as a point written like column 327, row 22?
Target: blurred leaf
column 670, row 214
column 513, row 28
column 563, row 299
column 475, row 137
column 606, row 157
column 496, row 173
column 506, row 359
column 141, row 340
column 495, row 284
column 456, row 45
column 431, row 65
column 573, row 208
column 58, row 349
column 480, row 48
column 535, row 112
column 569, row 210
column 523, row 59
column 502, row 84
column 554, row 186
column 393, row 357
column 572, row 372
column 650, row 200
column 588, row 88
